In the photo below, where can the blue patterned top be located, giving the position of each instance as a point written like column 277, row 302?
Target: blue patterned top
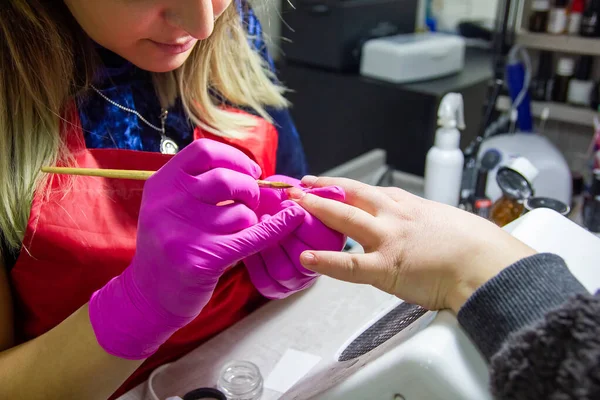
column 107, row 126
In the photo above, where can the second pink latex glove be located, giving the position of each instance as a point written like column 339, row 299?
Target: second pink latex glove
column 276, row 271
column 184, row 244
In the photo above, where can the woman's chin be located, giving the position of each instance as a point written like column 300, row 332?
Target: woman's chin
column 164, row 65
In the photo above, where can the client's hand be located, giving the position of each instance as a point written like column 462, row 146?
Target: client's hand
column 424, row 252
column 276, row 271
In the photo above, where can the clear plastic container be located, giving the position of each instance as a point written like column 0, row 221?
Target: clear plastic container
column 241, row 380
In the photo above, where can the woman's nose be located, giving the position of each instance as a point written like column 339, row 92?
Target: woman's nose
column 196, row 17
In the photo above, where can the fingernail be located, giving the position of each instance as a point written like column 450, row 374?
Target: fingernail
column 295, row 194
column 225, row 203
column 309, row 181
column 307, row 258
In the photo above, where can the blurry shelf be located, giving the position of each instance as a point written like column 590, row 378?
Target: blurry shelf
column 558, row 112
column 560, row 43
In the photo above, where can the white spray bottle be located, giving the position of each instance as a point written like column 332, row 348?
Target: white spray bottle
column 444, row 164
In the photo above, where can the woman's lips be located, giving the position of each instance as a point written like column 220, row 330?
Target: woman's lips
column 175, row 48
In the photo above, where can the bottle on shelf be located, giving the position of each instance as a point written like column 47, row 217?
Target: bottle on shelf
column 564, row 74
column 596, row 97
column 559, row 17
column 590, row 22
column 541, row 85
column 575, row 17
column 591, row 205
column 538, row 21
column 581, row 86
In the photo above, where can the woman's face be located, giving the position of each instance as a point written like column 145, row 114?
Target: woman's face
column 155, row 35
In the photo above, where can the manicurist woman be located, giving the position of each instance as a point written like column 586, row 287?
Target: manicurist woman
column 102, row 280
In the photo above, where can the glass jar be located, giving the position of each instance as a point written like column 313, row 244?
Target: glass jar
column 241, row 380
column 506, row 210
column 515, row 181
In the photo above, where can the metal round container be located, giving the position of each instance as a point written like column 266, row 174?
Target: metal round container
column 533, row 203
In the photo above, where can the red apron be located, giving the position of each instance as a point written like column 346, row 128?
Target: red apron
column 82, row 234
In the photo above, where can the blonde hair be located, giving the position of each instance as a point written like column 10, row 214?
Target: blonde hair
column 46, row 60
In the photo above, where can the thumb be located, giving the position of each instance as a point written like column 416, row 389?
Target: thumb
column 349, row 267
column 269, row 231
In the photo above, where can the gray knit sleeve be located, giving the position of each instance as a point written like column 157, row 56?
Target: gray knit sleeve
column 556, row 358
column 519, row 296
column 540, row 329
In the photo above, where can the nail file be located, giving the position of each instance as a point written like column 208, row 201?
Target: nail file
column 383, row 329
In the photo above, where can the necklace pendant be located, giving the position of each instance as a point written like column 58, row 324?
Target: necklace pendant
column 168, row 145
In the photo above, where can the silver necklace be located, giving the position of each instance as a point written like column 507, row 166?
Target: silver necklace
column 167, row 145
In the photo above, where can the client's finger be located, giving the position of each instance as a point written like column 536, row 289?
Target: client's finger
column 357, row 193
column 344, row 218
column 354, row 268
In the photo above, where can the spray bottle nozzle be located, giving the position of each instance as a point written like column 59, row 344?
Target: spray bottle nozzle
column 451, row 111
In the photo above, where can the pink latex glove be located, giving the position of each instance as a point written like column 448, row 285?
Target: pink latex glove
column 276, row 271
column 184, row 244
